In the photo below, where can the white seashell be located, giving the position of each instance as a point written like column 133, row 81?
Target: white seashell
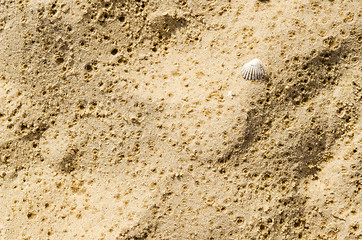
column 253, row 70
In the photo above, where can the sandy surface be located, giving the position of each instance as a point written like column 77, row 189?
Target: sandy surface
column 131, row 120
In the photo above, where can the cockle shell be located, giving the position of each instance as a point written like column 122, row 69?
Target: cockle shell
column 253, row 70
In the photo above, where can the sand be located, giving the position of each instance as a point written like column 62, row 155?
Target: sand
column 130, row 119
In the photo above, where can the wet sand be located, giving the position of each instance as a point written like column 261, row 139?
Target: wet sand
column 131, row 120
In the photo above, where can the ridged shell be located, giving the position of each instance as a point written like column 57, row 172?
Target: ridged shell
column 253, row 70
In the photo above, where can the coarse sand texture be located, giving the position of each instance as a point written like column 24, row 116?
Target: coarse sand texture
column 131, row 119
